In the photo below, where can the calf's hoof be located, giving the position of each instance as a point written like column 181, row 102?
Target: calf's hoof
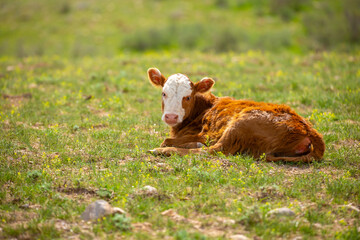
column 167, row 151
column 199, row 145
column 160, row 152
column 154, row 152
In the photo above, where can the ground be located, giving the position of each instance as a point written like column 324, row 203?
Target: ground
column 75, row 131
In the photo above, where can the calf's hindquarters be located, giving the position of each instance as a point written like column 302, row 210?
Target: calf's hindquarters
column 258, row 128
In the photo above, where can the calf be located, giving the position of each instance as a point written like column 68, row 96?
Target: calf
column 197, row 119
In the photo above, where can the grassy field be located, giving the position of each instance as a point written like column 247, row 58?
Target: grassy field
column 74, row 131
column 78, row 114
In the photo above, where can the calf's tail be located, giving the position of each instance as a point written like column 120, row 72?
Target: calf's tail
column 318, row 144
column 317, row 149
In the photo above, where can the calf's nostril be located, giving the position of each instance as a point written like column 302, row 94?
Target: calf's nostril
column 171, row 117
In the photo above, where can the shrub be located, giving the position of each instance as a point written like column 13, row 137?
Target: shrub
column 332, row 23
column 287, row 9
column 274, row 40
column 352, row 17
column 224, row 41
column 145, row 39
column 324, row 26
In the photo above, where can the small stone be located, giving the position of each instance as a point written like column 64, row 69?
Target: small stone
column 142, row 226
column 97, row 209
column 317, row 225
column 32, row 85
column 297, row 238
column 351, row 208
column 35, row 206
column 118, row 210
column 239, row 237
column 229, row 221
column 281, row 212
column 62, row 225
column 25, row 206
column 149, row 189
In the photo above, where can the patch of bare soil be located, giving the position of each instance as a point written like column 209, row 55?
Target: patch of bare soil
column 16, row 100
column 84, row 229
column 162, row 167
column 212, row 226
column 22, row 96
column 209, row 225
column 173, row 215
column 215, row 226
column 351, row 122
column 350, row 143
column 143, row 193
column 268, row 193
column 302, row 109
column 98, row 112
column 23, row 66
column 79, row 190
column 225, row 163
column 143, row 227
column 20, row 217
column 221, row 162
column 100, row 126
column 150, row 130
column 38, row 126
column 289, row 170
column 293, row 171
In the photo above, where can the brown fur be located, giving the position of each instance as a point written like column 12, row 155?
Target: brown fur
column 242, row 126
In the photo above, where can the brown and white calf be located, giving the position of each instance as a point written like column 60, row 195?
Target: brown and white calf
column 198, row 118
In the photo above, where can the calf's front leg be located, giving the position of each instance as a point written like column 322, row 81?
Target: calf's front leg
column 168, row 151
column 187, row 141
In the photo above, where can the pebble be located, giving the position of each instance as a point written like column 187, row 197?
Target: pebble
column 229, row 221
column 350, row 207
column 97, row 209
column 238, row 237
column 317, row 225
column 25, row 206
column 149, row 189
column 281, row 212
column 62, row 225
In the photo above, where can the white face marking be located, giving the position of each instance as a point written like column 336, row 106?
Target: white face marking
column 176, row 87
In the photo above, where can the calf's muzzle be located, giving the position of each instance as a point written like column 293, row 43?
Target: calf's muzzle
column 171, row 118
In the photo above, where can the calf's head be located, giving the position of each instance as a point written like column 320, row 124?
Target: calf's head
column 178, row 94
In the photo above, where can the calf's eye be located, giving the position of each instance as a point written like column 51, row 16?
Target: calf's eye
column 188, row 98
column 163, row 94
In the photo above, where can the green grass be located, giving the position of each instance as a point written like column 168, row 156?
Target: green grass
column 90, row 121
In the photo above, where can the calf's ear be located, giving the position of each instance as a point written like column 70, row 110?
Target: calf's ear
column 204, row 85
column 155, row 77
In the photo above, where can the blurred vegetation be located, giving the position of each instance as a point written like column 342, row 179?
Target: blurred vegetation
column 89, row 28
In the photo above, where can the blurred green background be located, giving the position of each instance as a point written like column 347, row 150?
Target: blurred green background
column 80, row 28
